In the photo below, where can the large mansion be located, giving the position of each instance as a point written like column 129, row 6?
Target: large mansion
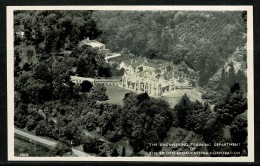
column 143, row 75
column 155, row 79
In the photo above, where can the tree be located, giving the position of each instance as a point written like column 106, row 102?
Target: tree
column 231, row 75
column 20, row 120
column 42, row 72
column 17, row 39
column 145, row 119
column 242, row 80
column 41, row 129
column 104, row 121
column 90, row 145
column 61, row 148
column 151, row 137
column 239, row 133
column 86, row 86
column 180, row 135
column 90, row 120
column 36, row 91
column 98, row 92
column 142, row 97
column 115, row 152
column 34, row 118
column 182, row 109
column 26, row 67
column 87, row 64
column 104, row 71
column 235, row 104
column 70, row 131
column 223, row 78
column 59, row 69
column 123, row 152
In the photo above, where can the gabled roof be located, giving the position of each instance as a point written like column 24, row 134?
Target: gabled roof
column 134, row 62
column 127, row 62
column 135, row 65
column 149, row 64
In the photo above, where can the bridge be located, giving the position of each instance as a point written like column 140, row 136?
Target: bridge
column 94, row 81
column 79, row 80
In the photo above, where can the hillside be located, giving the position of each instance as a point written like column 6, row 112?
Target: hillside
column 233, row 71
column 238, row 59
column 204, row 40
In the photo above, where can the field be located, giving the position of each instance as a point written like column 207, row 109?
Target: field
column 115, row 94
column 26, row 148
column 176, row 96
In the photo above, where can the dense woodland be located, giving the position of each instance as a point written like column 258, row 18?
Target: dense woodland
column 203, row 40
column 49, row 104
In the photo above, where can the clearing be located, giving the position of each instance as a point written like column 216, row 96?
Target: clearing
column 115, row 94
column 175, row 97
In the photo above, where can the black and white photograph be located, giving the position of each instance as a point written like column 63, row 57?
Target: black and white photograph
column 130, row 83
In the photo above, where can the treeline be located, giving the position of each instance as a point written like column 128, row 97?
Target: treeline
column 204, row 40
column 50, row 79
column 53, row 31
column 141, row 120
column 227, row 123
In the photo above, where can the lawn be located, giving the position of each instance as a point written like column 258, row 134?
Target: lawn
column 175, row 97
column 115, row 94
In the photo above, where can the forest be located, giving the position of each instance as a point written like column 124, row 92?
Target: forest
column 50, row 105
column 203, row 40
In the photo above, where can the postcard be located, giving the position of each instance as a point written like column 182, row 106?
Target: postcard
column 130, row 83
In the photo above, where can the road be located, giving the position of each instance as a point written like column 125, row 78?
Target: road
column 35, row 138
column 80, row 153
column 93, row 136
column 47, row 142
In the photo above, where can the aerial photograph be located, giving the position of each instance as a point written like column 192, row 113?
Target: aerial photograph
column 130, row 83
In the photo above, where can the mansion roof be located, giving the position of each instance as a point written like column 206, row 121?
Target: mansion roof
column 134, row 62
column 149, row 64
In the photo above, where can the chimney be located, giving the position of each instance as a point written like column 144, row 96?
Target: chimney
column 131, row 61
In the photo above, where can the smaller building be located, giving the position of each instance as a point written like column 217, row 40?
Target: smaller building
column 93, row 43
column 20, row 34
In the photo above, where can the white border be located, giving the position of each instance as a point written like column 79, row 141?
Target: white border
column 250, row 74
